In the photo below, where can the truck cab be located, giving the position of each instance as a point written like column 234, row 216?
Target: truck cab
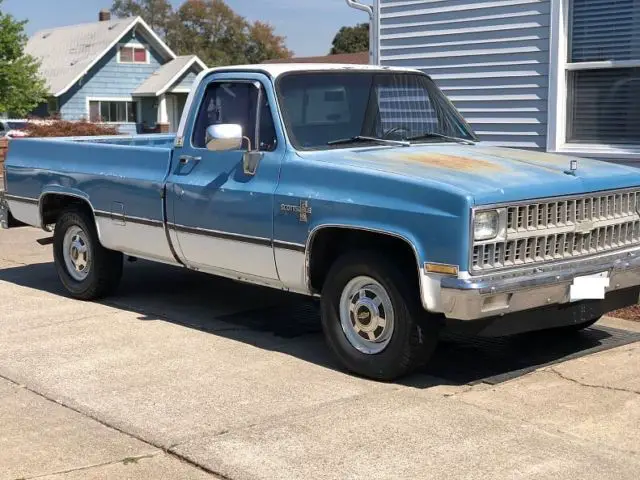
column 362, row 186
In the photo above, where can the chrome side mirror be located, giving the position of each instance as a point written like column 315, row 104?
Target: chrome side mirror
column 224, row 137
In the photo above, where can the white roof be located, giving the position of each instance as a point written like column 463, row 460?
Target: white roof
column 162, row 79
column 277, row 69
column 67, row 53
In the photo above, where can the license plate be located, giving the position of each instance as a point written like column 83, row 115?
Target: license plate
column 589, row 287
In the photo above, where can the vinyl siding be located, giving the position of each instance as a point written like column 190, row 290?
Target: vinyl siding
column 108, row 79
column 491, row 58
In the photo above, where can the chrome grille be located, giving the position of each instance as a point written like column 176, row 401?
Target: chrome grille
column 561, row 229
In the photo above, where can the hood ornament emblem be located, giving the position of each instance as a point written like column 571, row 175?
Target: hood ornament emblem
column 573, row 167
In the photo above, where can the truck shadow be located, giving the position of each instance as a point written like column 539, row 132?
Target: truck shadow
column 290, row 324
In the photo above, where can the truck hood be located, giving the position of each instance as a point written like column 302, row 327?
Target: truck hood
column 488, row 174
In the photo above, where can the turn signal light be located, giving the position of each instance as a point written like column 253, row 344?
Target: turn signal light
column 441, row 268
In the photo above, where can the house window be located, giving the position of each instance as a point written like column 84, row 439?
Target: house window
column 132, row 54
column 113, row 111
column 603, row 72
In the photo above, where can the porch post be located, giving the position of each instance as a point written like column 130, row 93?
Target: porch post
column 163, row 114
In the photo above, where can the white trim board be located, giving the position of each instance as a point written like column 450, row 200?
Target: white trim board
column 558, row 90
column 138, row 21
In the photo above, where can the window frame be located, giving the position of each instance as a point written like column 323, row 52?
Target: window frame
column 135, row 105
column 200, row 102
column 559, row 69
column 134, row 47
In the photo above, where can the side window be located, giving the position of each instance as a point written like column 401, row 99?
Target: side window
column 234, row 102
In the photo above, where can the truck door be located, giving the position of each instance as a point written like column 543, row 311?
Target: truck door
column 222, row 217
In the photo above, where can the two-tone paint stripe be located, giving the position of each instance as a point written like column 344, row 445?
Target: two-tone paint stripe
column 261, row 241
column 236, row 237
column 16, row 198
column 127, row 219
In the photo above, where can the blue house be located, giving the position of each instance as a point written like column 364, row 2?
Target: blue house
column 114, row 72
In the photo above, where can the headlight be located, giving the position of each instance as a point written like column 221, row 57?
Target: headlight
column 486, row 225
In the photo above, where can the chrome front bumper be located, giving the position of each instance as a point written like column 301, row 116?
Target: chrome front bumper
column 4, row 211
column 474, row 298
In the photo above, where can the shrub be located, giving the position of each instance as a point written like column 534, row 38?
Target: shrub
column 63, row 128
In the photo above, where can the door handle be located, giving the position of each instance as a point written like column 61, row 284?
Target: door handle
column 186, row 159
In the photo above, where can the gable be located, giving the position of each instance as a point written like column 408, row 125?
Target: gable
column 67, row 54
column 170, row 75
column 108, row 79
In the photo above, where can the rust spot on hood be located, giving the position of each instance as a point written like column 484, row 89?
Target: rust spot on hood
column 451, row 162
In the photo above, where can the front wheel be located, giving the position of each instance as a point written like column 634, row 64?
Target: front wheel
column 372, row 318
column 87, row 270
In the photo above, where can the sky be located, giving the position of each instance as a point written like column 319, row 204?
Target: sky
column 308, row 25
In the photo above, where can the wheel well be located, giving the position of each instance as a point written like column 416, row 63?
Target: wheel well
column 331, row 243
column 53, row 204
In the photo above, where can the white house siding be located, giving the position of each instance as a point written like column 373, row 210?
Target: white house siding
column 491, row 58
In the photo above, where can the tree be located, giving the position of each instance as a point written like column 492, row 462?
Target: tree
column 219, row 36
column 351, row 39
column 264, row 44
column 157, row 13
column 211, row 30
column 21, row 88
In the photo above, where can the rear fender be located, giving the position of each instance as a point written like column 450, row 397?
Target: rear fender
column 72, row 194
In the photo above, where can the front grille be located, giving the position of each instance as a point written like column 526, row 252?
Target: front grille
column 561, row 229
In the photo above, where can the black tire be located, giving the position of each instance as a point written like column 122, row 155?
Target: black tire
column 415, row 334
column 105, row 268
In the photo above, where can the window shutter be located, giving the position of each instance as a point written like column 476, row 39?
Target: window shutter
column 605, row 30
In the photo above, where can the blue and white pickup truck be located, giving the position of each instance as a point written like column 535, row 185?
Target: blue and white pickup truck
column 359, row 185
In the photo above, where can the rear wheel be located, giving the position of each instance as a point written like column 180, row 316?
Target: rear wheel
column 87, row 270
column 372, row 318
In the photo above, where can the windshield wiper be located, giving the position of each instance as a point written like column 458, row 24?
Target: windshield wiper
column 426, row 135
column 362, row 138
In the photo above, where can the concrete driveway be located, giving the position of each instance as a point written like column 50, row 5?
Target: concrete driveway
column 164, row 381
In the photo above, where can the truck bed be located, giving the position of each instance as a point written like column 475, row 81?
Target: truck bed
column 122, row 179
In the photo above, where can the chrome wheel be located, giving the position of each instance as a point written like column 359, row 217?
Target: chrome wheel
column 77, row 253
column 366, row 315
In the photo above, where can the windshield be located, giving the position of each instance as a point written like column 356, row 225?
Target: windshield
column 16, row 125
column 323, row 110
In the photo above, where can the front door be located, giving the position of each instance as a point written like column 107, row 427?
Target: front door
column 222, row 217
